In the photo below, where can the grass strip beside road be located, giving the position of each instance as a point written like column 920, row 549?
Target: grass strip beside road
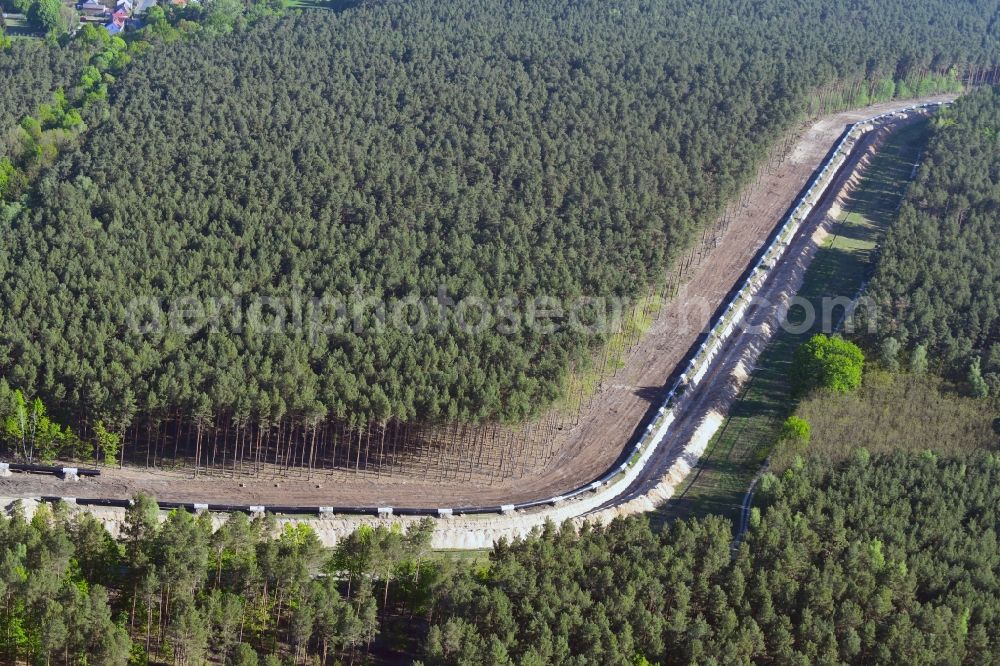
column 840, row 268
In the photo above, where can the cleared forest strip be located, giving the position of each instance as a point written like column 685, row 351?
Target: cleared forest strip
column 480, row 531
column 608, row 425
column 839, row 270
column 720, row 481
column 700, row 419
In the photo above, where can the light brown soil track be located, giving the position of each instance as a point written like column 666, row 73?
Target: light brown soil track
column 725, row 379
column 606, row 426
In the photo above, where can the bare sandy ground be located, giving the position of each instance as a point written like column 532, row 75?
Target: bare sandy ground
column 701, row 417
column 605, row 428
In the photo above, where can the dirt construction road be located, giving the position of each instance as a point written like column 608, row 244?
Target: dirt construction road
column 606, row 426
column 700, row 412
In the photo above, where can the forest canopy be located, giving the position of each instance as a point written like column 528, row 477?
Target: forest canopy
column 549, row 148
column 938, row 279
column 29, row 73
column 879, row 560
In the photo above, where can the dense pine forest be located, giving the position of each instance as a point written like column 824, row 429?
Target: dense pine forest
column 883, row 560
column 29, row 74
column 401, row 150
column 880, row 560
column 937, row 285
column 180, row 592
column 493, row 149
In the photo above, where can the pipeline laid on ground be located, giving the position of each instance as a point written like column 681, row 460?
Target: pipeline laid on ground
column 616, row 480
column 49, row 469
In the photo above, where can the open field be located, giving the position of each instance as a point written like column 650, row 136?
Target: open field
column 894, row 412
column 17, row 26
column 840, row 268
column 607, row 425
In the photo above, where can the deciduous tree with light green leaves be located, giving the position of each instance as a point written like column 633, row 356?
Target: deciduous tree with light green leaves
column 795, row 431
column 978, row 387
column 51, row 17
column 918, row 360
column 107, row 443
column 7, row 172
column 827, row 363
